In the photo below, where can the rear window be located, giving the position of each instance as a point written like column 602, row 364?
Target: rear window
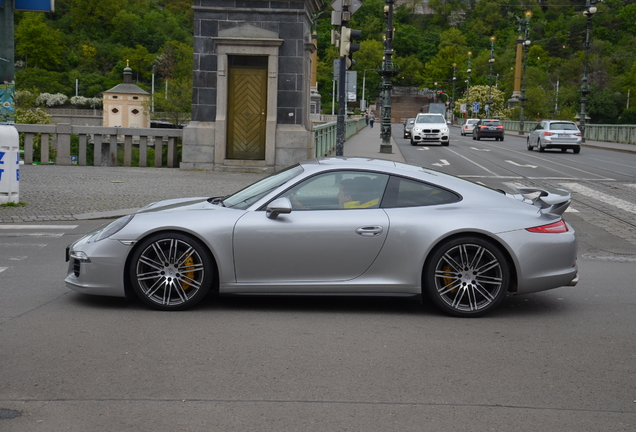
column 563, row 126
column 402, row 192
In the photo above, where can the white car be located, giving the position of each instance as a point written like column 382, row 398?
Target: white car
column 467, row 128
column 430, row 128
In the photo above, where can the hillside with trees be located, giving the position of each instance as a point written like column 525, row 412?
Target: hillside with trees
column 426, row 46
column 90, row 41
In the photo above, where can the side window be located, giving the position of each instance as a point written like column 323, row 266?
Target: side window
column 402, row 192
column 338, row 190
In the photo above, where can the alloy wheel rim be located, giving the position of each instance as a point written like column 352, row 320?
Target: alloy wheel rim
column 468, row 277
column 170, row 272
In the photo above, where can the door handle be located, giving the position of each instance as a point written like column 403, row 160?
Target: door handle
column 369, row 231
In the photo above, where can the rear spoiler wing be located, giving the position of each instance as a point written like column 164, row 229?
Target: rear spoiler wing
column 549, row 200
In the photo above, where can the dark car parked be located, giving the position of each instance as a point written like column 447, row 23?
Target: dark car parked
column 488, row 128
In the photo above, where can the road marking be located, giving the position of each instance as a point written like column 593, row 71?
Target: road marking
column 423, row 148
column 473, row 162
column 444, row 162
column 600, row 196
column 3, row 269
column 478, row 149
column 36, row 234
column 631, row 185
column 519, row 165
column 16, row 227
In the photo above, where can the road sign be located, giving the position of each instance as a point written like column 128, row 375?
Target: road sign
column 35, row 5
column 354, row 5
column 475, row 107
column 462, row 108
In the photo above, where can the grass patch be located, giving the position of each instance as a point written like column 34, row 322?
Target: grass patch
column 12, row 204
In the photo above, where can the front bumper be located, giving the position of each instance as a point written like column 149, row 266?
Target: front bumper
column 441, row 137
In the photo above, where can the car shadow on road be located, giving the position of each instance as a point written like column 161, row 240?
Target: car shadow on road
column 539, row 304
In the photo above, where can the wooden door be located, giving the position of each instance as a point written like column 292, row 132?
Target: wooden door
column 247, row 104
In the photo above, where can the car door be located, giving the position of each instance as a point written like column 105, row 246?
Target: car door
column 320, row 241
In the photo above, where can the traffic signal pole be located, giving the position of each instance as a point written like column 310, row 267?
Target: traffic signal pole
column 7, row 61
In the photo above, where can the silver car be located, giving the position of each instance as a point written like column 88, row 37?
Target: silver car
column 559, row 134
column 430, row 128
column 333, row 227
column 468, row 127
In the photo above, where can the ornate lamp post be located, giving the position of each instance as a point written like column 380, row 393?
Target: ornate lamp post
column 491, row 61
column 387, row 72
column 468, row 80
column 452, row 104
column 525, row 41
column 590, row 10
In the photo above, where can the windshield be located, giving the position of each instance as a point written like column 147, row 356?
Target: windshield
column 433, row 118
column 248, row 196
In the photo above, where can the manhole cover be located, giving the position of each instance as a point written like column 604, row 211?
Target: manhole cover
column 8, row 414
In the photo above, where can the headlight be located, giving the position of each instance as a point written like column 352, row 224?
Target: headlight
column 114, row 227
column 445, row 130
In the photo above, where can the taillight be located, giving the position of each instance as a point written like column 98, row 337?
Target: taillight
column 578, row 134
column 547, row 134
column 556, row 227
column 499, row 127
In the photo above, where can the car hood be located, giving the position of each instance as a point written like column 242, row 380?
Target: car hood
column 195, row 203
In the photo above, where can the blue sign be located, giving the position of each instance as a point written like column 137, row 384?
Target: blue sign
column 475, row 106
column 35, row 5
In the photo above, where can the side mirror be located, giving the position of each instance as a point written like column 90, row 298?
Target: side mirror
column 278, row 206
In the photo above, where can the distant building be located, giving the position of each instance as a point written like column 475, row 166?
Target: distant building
column 420, row 7
column 124, row 104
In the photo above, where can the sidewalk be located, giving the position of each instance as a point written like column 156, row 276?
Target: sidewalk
column 366, row 143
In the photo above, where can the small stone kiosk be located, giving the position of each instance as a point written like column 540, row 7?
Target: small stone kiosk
column 124, row 104
column 251, row 85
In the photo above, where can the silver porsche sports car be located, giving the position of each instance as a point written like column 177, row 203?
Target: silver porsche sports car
column 337, row 226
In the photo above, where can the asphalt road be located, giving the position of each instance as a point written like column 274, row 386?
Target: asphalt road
column 561, row 360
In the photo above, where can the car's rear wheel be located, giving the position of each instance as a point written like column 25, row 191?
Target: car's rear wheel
column 528, row 145
column 577, row 150
column 467, row 276
column 541, row 149
column 171, row 271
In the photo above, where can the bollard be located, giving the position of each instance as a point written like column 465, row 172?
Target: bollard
column 9, row 165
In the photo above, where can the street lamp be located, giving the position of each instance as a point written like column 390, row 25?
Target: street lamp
column 364, row 82
column 590, row 10
column 525, row 41
column 491, row 61
column 388, row 71
column 452, row 104
column 468, row 80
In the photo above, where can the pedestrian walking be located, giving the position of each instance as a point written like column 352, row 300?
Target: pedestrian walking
column 371, row 119
column 366, row 117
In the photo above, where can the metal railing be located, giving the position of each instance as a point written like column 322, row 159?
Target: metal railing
column 625, row 134
column 325, row 135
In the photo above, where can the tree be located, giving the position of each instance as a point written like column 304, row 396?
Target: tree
column 480, row 94
column 37, row 43
column 177, row 106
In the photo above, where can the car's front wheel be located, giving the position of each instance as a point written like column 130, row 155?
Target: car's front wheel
column 171, row 271
column 528, row 145
column 467, row 276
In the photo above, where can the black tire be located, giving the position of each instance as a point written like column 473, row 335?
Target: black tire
column 528, row 145
column 171, row 271
column 541, row 149
column 577, row 150
column 478, row 138
column 413, row 143
column 445, row 144
column 467, row 276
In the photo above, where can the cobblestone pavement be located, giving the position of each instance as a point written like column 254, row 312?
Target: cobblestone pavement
column 56, row 193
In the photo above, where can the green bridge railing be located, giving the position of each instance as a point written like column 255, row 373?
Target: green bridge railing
column 325, row 135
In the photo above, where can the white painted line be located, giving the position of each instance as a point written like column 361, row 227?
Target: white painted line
column 632, row 185
column 478, row 149
column 3, row 269
column 473, row 162
column 600, row 196
column 16, row 227
column 36, row 234
column 519, row 165
column 441, row 163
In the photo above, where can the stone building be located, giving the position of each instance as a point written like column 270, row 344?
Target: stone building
column 251, row 85
column 126, row 104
